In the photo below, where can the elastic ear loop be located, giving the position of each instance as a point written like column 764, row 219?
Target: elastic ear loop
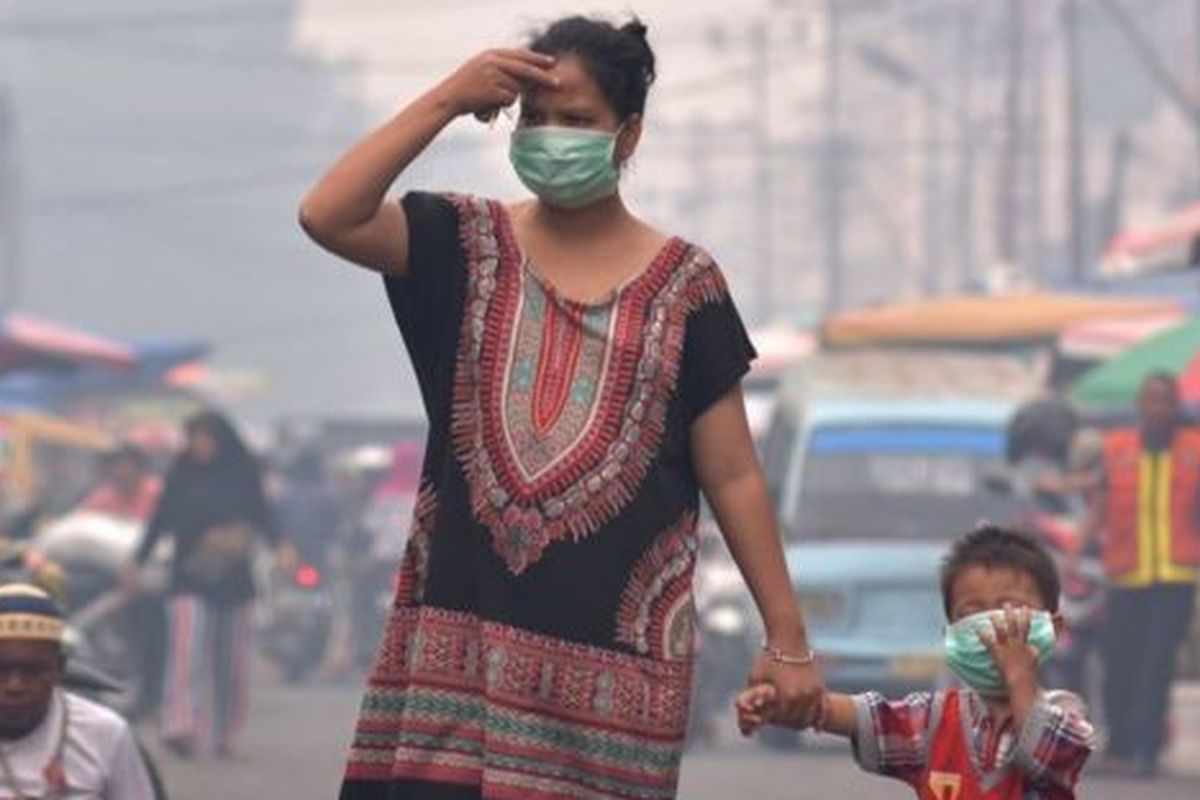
column 617, row 138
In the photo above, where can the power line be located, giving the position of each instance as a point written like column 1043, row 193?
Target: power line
column 223, row 15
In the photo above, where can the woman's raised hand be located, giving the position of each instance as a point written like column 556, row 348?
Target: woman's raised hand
column 493, row 80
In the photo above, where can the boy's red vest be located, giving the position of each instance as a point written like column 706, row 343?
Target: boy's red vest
column 949, row 773
column 1122, row 467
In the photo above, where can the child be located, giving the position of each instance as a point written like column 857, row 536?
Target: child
column 1000, row 735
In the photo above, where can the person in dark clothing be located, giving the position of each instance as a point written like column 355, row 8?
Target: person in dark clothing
column 214, row 508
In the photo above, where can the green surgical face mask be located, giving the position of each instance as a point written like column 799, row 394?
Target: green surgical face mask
column 565, row 167
column 970, row 660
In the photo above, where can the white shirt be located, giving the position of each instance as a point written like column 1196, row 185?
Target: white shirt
column 101, row 760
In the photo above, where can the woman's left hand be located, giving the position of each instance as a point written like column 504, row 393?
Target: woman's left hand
column 800, row 690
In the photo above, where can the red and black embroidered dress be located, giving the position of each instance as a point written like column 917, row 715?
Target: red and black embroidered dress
column 541, row 638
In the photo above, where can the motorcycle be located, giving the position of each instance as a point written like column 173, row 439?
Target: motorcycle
column 299, row 619
column 127, row 640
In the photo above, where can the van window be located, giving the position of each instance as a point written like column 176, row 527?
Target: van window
column 897, row 482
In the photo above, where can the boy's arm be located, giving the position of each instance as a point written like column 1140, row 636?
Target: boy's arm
column 1055, row 741
column 891, row 737
column 840, row 715
column 1055, row 738
column 1008, row 643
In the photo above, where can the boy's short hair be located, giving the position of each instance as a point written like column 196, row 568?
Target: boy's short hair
column 996, row 547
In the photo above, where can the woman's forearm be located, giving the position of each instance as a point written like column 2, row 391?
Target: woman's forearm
column 350, row 192
column 732, row 479
column 743, row 509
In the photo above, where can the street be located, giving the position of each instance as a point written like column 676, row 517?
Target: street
column 296, row 737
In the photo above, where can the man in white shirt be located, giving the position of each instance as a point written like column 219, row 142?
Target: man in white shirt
column 54, row 744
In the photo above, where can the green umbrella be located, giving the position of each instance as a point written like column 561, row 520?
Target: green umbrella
column 1117, row 381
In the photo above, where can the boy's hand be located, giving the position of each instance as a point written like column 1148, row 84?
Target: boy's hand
column 799, row 691
column 755, row 707
column 1008, row 642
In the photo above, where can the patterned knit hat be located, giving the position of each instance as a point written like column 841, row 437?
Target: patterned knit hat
column 27, row 612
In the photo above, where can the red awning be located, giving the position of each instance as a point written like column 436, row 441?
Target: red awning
column 31, row 343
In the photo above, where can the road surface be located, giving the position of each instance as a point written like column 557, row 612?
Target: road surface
column 296, row 739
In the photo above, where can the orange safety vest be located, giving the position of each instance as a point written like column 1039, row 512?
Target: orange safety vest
column 1123, row 456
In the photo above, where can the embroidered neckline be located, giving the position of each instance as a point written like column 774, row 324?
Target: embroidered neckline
column 600, row 467
column 661, row 258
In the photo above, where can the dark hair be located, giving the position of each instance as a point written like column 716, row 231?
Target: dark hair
column 618, row 59
column 1168, row 379
column 996, row 547
column 232, row 452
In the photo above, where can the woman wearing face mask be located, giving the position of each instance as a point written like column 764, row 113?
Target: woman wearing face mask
column 580, row 371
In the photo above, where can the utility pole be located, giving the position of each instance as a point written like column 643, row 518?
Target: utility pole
column 1075, row 144
column 931, row 134
column 1035, row 221
column 10, row 249
column 1114, row 211
column 1009, row 179
column 764, row 185
column 967, row 254
column 834, row 164
column 1148, row 53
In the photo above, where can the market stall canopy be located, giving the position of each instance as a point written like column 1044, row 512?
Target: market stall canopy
column 1105, row 338
column 155, row 360
column 1011, row 319
column 1169, row 243
column 30, row 343
column 1116, row 382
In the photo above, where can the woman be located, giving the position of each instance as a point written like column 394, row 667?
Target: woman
column 214, row 509
column 580, row 371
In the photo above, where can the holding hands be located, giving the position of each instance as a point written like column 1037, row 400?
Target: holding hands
column 786, row 693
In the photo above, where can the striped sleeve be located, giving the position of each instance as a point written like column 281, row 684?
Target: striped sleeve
column 892, row 737
column 1054, row 745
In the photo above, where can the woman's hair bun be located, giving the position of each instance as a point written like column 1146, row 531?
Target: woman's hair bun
column 635, row 27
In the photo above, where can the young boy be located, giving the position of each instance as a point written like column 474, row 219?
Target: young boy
column 998, row 736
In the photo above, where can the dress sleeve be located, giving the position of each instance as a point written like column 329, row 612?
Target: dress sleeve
column 427, row 300
column 717, row 350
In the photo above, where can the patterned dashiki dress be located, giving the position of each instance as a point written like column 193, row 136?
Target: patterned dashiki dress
column 540, row 644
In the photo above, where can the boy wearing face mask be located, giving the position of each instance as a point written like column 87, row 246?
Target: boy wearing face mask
column 997, row 735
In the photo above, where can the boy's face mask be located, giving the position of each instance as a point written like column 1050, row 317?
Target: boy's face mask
column 565, row 167
column 970, row 660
